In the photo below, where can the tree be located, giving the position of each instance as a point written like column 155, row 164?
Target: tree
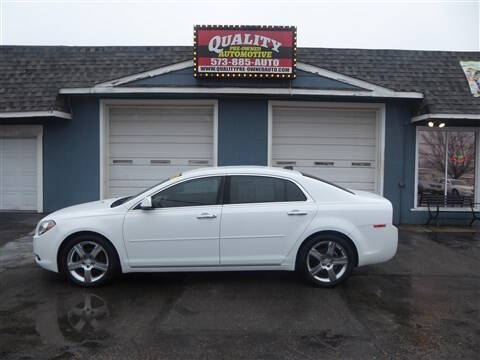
column 461, row 152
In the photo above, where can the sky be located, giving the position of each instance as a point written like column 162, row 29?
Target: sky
column 387, row 24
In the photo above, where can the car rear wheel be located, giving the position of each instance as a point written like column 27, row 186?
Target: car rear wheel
column 88, row 260
column 326, row 260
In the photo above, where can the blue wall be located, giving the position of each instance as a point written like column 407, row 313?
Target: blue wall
column 242, row 131
column 396, row 185
column 71, row 150
column 185, row 77
column 71, row 156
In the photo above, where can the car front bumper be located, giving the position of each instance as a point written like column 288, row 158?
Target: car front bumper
column 45, row 249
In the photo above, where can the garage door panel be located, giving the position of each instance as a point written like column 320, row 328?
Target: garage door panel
column 28, row 200
column 20, row 182
column 163, row 113
column 161, row 139
column 334, row 141
column 146, row 172
column 339, row 145
column 335, row 116
column 148, row 145
column 185, row 128
column 18, row 173
column 128, row 150
column 318, row 151
column 325, row 130
column 326, row 163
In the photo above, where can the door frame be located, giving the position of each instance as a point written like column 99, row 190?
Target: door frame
column 29, row 131
column 106, row 104
column 380, row 130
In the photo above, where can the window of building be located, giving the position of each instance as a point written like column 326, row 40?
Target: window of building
column 196, row 192
column 262, row 189
column 446, row 165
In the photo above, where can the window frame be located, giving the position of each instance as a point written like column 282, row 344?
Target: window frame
column 220, row 193
column 227, row 183
column 476, row 172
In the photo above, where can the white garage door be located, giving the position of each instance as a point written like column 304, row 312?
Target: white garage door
column 150, row 144
column 18, row 173
column 335, row 144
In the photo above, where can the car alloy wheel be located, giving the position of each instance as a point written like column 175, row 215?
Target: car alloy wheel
column 87, row 262
column 326, row 261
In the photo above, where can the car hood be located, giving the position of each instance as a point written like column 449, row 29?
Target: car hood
column 93, row 208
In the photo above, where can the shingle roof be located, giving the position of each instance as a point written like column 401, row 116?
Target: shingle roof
column 30, row 76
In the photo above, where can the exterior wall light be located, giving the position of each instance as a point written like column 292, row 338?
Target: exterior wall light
column 439, row 124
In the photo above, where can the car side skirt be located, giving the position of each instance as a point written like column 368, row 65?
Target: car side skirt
column 256, row 267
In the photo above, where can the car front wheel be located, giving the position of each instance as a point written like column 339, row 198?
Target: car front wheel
column 88, row 260
column 326, row 260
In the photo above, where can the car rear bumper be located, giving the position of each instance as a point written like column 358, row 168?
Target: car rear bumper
column 380, row 244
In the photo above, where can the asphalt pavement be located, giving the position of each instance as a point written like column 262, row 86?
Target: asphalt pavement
column 425, row 303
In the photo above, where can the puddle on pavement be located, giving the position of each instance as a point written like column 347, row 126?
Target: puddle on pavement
column 16, row 253
column 84, row 319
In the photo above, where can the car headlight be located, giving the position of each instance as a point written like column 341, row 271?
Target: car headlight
column 44, row 226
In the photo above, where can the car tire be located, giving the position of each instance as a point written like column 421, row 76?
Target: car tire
column 88, row 260
column 326, row 260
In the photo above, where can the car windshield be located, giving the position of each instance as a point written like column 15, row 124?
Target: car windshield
column 123, row 200
column 328, row 182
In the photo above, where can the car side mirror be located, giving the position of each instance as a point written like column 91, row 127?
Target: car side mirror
column 146, row 203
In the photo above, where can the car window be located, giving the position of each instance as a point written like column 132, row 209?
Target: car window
column 123, row 200
column 328, row 182
column 196, row 192
column 260, row 189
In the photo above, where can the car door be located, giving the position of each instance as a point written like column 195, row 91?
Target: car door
column 262, row 218
column 182, row 228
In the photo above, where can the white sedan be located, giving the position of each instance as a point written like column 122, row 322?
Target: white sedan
column 221, row 219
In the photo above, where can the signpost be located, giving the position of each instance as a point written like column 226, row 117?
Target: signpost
column 244, row 51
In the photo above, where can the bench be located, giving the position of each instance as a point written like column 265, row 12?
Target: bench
column 435, row 201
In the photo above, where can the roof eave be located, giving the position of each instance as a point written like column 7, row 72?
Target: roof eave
column 30, row 114
column 445, row 116
column 239, row 90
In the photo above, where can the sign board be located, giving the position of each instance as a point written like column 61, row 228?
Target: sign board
column 244, row 51
column 472, row 73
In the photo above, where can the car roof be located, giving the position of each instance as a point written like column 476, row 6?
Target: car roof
column 257, row 170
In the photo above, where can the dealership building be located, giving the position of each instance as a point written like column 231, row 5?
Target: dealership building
column 85, row 123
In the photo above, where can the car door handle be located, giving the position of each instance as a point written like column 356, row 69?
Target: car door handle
column 297, row 212
column 206, row 216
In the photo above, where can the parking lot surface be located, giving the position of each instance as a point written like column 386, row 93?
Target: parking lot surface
column 425, row 303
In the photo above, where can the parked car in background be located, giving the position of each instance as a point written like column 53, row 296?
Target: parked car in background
column 432, row 186
column 458, row 187
column 217, row 219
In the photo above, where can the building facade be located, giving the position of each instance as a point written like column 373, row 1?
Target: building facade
column 80, row 124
